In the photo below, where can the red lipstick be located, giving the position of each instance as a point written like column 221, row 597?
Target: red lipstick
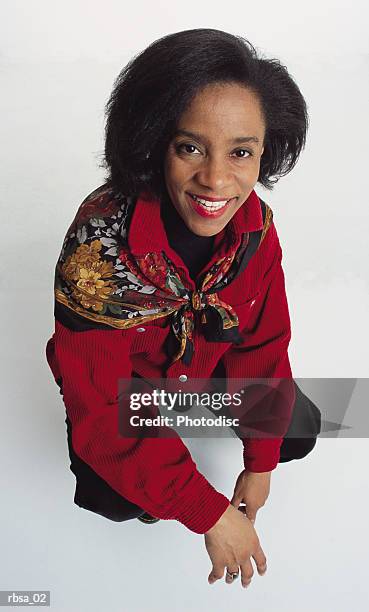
column 203, row 211
column 209, row 199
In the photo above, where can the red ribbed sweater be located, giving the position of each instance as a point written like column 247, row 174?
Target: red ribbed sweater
column 159, row 474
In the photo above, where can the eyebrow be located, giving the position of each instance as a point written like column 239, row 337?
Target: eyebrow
column 199, row 137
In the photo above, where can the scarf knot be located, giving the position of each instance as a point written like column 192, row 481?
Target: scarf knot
column 197, row 300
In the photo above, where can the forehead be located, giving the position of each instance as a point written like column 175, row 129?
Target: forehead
column 225, row 107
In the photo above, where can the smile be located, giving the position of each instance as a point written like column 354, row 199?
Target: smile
column 206, row 207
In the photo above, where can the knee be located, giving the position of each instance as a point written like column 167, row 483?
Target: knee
column 296, row 448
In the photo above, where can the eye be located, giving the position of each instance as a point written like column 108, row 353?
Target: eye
column 249, row 154
column 182, row 146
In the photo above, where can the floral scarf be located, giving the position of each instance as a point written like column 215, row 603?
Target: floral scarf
column 100, row 280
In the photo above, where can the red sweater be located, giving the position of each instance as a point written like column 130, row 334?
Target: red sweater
column 159, row 474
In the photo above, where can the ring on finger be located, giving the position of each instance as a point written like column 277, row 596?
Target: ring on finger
column 233, row 575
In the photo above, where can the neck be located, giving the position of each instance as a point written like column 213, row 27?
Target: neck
column 194, row 250
column 175, row 226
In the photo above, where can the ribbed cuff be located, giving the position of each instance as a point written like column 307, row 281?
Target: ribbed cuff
column 202, row 507
column 261, row 455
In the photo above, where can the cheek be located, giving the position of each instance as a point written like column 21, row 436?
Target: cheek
column 176, row 173
column 256, row 168
column 249, row 177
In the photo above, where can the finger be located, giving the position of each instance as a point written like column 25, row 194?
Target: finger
column 236, row 500
column 251, row 514
column 231, row 568
column 216, row 573
column 246, row 573
column 260, row 560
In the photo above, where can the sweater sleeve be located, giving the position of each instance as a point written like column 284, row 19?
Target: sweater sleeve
column 157, row 474
column 263, row 353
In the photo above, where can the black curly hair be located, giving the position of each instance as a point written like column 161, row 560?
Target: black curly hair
column 155, row 87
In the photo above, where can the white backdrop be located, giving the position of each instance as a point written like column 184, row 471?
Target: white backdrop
column 58, row 63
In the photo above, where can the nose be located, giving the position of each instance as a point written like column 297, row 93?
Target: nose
column 214, row 175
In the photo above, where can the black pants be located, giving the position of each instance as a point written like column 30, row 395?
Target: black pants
column 94, row 494
column 306, row 417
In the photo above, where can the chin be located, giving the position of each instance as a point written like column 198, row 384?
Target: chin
column 210, row 231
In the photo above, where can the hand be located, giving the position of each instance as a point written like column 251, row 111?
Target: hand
column 252, row 489
column 230, row 543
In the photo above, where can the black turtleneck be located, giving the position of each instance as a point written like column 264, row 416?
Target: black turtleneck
column 195, row 250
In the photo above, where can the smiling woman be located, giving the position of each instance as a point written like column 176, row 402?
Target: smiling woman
column 172, row 270
column 209, row 168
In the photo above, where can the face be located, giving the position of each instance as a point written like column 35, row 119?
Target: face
column 215, row 156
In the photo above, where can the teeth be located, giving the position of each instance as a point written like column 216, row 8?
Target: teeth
column 211, row 206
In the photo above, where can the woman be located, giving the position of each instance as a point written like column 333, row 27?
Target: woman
column 172, row 269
